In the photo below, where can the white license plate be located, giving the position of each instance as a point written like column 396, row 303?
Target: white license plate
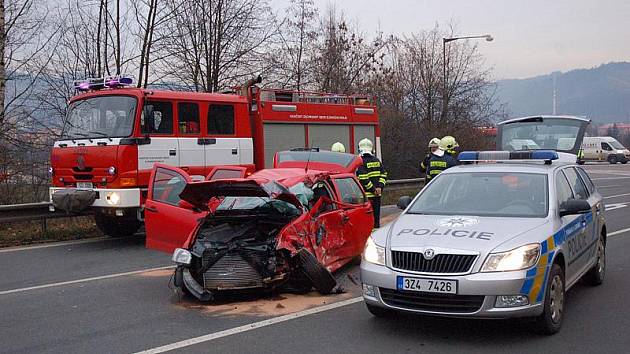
column 84, row 185
column 427, row 285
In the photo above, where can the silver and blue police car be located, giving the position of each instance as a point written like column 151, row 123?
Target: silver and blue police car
column 503, row 236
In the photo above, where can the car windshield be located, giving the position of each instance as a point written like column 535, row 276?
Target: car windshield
column 537, row 133
column 316, row 156
column 100, row 117
column 617, row 145
column 500, row 194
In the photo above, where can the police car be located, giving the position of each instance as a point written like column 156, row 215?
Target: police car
column 502, row 235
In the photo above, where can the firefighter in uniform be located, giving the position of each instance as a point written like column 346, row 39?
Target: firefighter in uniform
column 373, row 178
column 433, row 145
column 338, row 147
column 441, row 159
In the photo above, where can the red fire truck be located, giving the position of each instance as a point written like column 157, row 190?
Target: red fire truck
column 115, row 134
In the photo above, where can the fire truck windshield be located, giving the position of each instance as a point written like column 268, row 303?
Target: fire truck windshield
column 99, row 117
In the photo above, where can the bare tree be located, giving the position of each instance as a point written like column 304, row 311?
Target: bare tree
column 346, row 61
column 411, row 98
column 212, row 44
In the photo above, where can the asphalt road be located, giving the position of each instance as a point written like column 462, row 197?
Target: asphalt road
column 113, row 296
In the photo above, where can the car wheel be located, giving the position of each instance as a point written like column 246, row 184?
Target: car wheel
column 379, row 312
column 116, row 226
column 624, row 162
column 612, row 159
column 595, row 275
column 550, row 321
column 322, row 280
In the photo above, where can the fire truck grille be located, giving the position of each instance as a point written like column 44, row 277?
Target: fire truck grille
column 231, row 272
column 441, row 263
column 431, row 302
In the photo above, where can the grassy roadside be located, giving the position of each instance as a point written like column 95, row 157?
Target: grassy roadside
column 64, row 229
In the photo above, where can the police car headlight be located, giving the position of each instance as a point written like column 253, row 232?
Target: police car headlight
column 374, row 253
column 517, row 259
column 181, row 256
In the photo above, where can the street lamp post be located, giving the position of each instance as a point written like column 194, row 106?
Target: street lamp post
column 487, row 37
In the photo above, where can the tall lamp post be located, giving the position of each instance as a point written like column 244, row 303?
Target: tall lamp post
column 487, row 37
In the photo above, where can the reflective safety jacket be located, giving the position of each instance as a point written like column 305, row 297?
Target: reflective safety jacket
column 371, row 174
column 437, row 164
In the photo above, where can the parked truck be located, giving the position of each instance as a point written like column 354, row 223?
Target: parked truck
column 114, row 134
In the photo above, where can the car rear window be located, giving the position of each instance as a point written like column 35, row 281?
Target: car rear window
column 316, row 156
column 500, row 194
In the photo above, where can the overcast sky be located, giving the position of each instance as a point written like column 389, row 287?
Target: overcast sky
column 532, row 37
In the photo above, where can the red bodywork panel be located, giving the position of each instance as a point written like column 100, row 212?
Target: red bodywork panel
column 333, row 231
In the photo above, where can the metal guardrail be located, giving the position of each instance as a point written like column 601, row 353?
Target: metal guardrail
column 40, row 211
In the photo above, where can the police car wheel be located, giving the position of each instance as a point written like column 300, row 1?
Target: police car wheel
column 379, row 312
column 595, row 275
column 550, row 321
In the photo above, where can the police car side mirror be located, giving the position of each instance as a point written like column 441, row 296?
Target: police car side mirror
column 404, row 202
column 574, row 206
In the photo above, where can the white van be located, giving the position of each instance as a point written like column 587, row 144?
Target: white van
column 604, row 148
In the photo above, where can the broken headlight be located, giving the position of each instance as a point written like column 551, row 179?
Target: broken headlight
column 181, row 256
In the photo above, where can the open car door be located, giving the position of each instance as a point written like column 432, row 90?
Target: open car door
column 358, row 214
column 226, row 172
column 168, row 222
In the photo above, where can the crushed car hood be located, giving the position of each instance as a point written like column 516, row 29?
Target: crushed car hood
column 199, row 193
column 465, row 233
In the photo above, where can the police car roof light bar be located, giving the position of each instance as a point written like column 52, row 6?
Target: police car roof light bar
column 493, row 156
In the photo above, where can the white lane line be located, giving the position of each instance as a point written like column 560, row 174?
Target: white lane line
column 615, row 196
column 55, row 244
column 618, row 232
column 84, row 280
column 249, row 327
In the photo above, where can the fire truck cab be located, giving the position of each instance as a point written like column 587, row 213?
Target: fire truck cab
column 113, row 135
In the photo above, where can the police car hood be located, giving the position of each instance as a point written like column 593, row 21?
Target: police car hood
column 465, row 233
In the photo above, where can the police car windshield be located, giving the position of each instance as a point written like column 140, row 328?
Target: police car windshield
column 500, row 194
column 99, row 117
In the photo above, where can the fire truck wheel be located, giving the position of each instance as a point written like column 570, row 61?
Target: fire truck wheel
column 116, row 226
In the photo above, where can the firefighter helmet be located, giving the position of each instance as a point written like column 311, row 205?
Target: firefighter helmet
column 365, row 146
column 435, row 142
column 448, row 143
column 338, row 147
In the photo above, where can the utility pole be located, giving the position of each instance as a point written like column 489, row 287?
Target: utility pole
column 555, row 98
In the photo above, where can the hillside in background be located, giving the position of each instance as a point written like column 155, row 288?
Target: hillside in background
column 601, row 93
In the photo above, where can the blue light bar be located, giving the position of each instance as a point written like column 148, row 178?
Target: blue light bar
column 475, row 156
column 97, row 83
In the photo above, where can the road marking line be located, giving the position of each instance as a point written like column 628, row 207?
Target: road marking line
column 618, row 232
column 84, row 280
column 249, row 327
column 615, row 196
column 54, row 244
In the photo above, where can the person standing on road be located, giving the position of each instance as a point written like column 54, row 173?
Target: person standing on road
column 373, row 178
column 433, row 145
column 441, row 159
column 338, row 147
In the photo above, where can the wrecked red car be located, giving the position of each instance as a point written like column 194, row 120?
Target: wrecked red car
column 277, row 227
